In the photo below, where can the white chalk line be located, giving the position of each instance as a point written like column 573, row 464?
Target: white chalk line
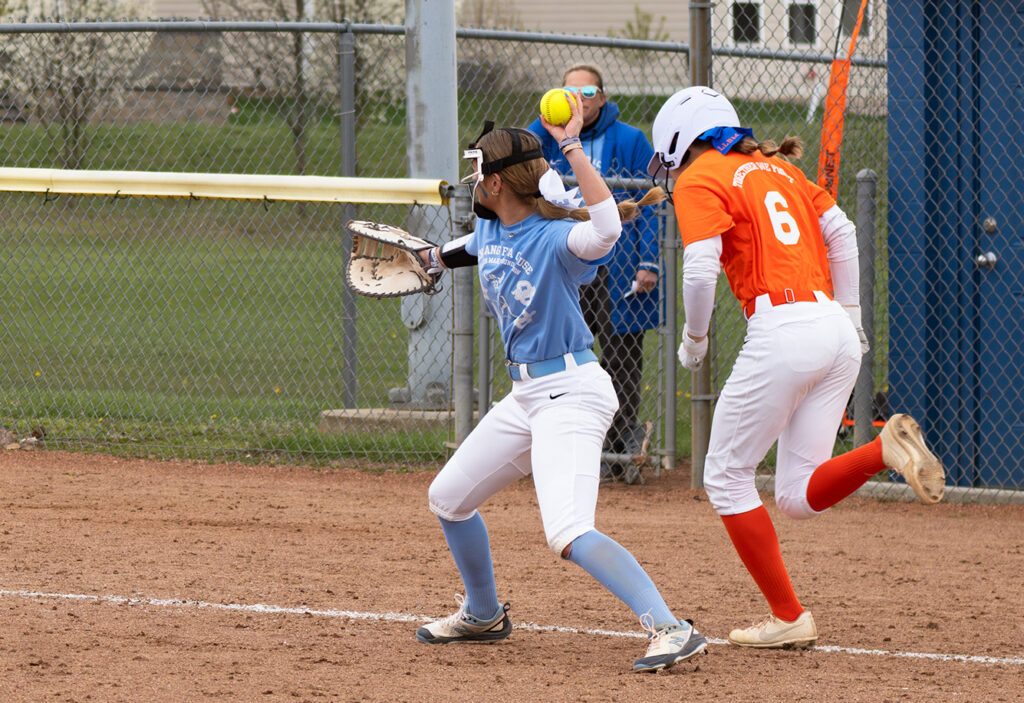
column 264, row 609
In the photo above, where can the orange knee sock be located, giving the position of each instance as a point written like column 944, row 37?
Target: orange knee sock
column 753, row 535
column 842, row 475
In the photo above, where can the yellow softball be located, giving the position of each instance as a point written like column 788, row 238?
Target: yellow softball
column 554, row 106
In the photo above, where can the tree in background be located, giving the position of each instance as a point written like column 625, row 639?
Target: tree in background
column 482, row 70
column 68, row 76
column 299, row 70
column 488, row 14
column 643, row 27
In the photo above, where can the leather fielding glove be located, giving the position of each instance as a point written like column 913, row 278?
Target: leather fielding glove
column 854, row 312
column 691, row 353
column 387, row 261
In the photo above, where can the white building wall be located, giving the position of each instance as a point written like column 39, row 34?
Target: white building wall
column 600, row 18
column 799, row 81
column 185, row 9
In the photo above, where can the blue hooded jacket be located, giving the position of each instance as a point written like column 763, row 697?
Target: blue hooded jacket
column 626, row 152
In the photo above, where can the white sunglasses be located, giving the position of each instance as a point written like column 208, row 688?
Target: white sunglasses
column 587, row 91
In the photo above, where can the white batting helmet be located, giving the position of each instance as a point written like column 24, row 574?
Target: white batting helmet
column 685, row 116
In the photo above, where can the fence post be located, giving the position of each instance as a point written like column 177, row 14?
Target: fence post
column 864, row 391
column 349, row 311
column 670, row 290
column 700, row 43
column 700, row 396
column 700, row 408
column 432, row 151
column 462, row 327
column 483, row 359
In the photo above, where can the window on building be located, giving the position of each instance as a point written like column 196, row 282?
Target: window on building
column 802, row 17
column 746, row 22
column 849, row 21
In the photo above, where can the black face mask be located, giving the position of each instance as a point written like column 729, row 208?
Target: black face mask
column 665, row 184
column 483, row 212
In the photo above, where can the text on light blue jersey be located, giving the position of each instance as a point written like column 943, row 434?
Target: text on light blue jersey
column 530, row 281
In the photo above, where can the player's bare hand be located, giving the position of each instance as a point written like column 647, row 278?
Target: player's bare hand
column 646, row 281
column 574, row 126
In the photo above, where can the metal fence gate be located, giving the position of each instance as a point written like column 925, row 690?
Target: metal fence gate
column 955, row 250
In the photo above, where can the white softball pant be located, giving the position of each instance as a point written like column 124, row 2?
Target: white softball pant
column 558, row 439
column 791, row 382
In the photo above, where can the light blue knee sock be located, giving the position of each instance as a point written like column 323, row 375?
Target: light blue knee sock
column 616, row 569
column 471, row 549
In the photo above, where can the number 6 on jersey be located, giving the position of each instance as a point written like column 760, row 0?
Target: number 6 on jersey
column 783, row 223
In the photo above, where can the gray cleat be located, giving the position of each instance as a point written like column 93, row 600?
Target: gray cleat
column 460, row 626
column 669, row 645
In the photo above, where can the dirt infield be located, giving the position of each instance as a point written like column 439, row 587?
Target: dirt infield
column 130, row 580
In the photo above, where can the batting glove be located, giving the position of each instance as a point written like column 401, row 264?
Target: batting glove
column 854, row 312
column 434, row 265
column 691, row 353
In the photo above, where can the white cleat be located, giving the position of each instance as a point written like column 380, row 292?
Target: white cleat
column 904, row 451
column 773, row 633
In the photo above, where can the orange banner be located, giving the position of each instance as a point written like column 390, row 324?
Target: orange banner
column 832, row 127
column 835, row 113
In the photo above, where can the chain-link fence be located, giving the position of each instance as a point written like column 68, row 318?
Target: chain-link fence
column 223, row 330
column 214, row 329
column 954, row 246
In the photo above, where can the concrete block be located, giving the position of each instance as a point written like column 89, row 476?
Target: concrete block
column 383, row 420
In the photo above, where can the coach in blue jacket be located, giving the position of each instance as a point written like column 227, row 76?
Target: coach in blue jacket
column 622, row 302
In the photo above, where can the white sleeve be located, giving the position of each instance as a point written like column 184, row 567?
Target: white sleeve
column 456, row 244
column 592, row 240
column 701, row 266
column 840, row 237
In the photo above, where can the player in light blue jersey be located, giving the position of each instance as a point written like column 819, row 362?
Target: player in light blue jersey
column 532, row 255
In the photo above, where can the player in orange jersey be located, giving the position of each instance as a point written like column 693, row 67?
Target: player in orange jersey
column 790, row 255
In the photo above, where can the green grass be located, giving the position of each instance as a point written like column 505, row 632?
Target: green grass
column 139, row 328
column 231, row 439
column 261, row 142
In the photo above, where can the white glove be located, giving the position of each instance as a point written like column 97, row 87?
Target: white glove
column 692, row 353
column 433, row 264
column 854, row 312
